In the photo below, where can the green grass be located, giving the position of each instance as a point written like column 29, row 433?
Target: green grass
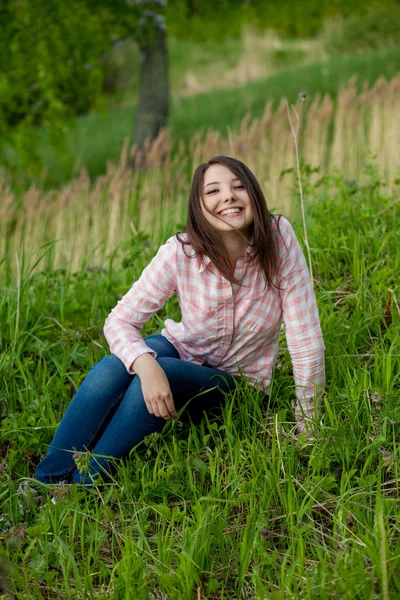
column 209, row 61
column 97, row 138
column 236, row 507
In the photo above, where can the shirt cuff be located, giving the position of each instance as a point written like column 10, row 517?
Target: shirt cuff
column 129, row 356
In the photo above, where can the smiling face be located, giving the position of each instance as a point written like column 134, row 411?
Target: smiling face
column 226, row 200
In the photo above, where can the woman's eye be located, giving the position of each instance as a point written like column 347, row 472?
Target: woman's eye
column 237, row 187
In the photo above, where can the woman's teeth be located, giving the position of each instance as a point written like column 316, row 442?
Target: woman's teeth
column 230, row 211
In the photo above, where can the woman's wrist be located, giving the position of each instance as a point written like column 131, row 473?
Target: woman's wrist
column 143, row 363
column 304, row 410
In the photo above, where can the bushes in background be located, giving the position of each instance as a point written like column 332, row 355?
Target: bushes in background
column 376, row 27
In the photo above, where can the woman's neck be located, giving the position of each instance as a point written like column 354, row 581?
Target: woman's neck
column 235, row 245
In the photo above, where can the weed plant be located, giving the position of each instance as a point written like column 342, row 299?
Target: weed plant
column 237, row 507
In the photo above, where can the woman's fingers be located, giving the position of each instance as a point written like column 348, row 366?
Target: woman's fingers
column 171, row 406
column 167, row 408
column 157, row 392
column 162, row 407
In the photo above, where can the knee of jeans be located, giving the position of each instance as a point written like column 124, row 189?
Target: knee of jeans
column 111, row 362
column 108, row 368
column 162, row 346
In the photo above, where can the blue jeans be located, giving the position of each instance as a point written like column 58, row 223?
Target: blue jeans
column 108, row 414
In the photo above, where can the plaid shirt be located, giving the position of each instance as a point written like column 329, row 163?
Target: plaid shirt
column 231, row 327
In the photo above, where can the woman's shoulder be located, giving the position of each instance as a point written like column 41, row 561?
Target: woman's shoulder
column 283, row 228
column 178, row 240
column 180, row 246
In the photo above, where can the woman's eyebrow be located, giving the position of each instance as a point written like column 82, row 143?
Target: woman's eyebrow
column 217, row 182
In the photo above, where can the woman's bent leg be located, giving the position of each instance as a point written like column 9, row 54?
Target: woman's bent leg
column 100, row 392
column 89, row 412
column 132, row 422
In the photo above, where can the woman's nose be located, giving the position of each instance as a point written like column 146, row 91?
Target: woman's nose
column 228, row 195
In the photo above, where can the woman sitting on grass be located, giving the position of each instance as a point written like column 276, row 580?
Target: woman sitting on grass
column 237, row 271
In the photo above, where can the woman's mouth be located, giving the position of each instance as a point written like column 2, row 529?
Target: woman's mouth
column 231, row 212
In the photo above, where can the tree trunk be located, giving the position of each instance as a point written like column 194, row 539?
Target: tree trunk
column 153, row 105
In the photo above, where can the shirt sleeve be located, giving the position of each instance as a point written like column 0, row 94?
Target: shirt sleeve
column 301, row 318
column 148, row 294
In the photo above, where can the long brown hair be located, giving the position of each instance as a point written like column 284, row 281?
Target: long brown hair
column 205, row 240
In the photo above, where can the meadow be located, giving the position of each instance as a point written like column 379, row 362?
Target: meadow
column 238, row 507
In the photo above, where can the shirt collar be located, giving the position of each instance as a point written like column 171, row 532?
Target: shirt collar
column 205, row 260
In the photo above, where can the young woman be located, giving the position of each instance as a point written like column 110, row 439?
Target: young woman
column 238, row 271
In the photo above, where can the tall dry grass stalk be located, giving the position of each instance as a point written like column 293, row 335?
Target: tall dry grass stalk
column 90, row 219
column 295, row 128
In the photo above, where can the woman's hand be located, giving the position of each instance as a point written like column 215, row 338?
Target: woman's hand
column 305, row 419
column 155, row 387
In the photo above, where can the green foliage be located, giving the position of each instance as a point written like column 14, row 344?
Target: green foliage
column 139, row 246
column 51, row 55
column 50, row 69
column 205, row 19
column 376, row 27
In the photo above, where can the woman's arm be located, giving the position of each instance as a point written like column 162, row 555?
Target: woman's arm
column 148, row 294
column 303, row 329
column 155, row 387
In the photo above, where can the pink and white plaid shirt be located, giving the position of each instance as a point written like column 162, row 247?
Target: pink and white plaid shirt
column 231, row 327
